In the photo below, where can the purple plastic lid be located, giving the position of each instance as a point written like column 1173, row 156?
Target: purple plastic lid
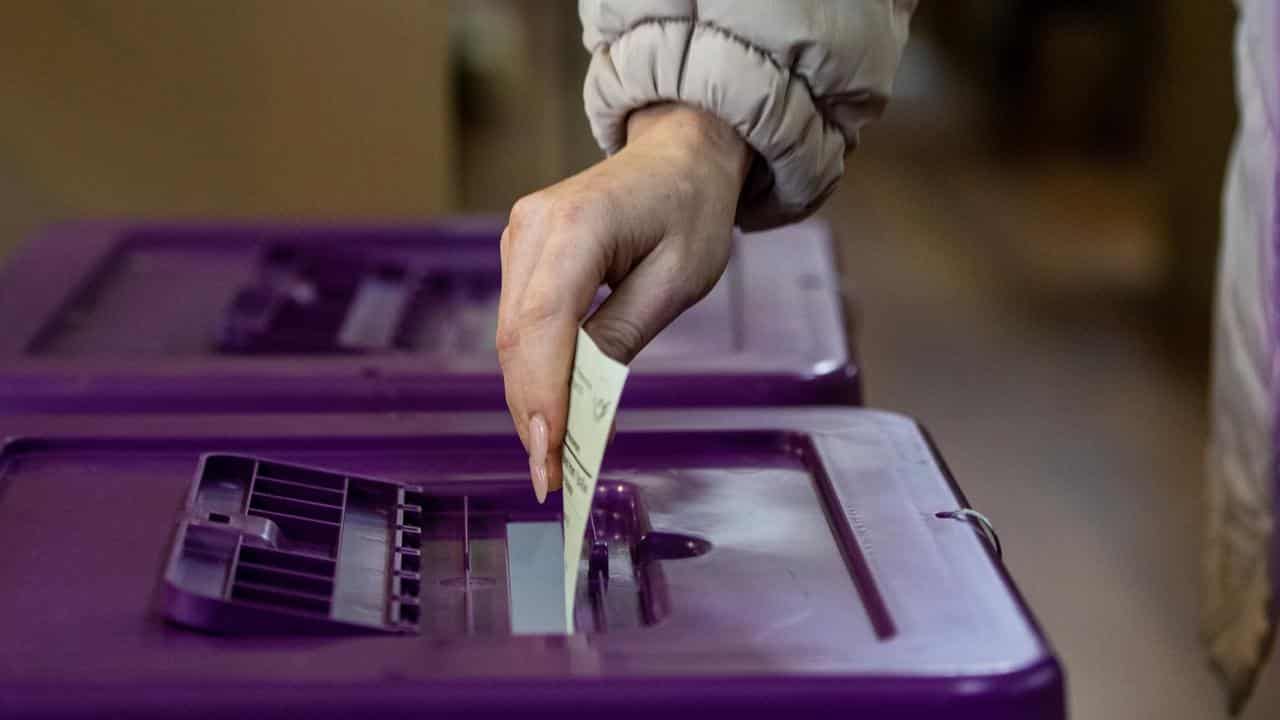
column 125, row 317
column 821, row 572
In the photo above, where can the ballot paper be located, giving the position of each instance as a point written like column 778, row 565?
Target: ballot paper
column 595, row 386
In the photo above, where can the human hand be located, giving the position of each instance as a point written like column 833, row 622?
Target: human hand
column 654, row 222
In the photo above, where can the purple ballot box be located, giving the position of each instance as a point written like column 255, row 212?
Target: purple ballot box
column 120, row 317
column 779, row 563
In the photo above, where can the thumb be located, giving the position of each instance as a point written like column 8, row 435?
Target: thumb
column 651, row 296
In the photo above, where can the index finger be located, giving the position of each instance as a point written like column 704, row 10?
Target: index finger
column 537, row 339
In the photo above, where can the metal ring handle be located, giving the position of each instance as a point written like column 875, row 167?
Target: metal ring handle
column 988, row 529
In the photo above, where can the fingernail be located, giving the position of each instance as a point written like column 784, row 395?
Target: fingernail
column 539, row 475
column 538, row 456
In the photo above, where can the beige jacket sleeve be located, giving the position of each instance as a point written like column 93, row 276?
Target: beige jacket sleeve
column 1241, row 565
column 796, row 78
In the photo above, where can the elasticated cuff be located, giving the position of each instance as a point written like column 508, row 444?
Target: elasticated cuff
column 800, row 155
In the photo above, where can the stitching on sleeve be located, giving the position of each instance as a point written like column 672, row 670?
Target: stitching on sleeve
column 721, row 30
column 696, row 24
column 647, row 20
column 684, row 56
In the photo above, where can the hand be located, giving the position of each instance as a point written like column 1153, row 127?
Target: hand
column 654, row 221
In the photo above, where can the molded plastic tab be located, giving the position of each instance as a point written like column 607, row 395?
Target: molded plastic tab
column 318, row 299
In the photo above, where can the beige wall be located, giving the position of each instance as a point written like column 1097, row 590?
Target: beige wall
column 328, row 108
column 525, row 63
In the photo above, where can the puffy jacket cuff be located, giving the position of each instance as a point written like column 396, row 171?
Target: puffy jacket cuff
column 800, row 156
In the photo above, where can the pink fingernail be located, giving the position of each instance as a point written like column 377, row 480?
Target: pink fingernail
column 538, row 456
column 539, row 475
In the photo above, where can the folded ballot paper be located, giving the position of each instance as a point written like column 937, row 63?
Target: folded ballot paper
column 595, row 386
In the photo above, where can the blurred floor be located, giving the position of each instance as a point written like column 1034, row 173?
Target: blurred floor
column 1008, row 308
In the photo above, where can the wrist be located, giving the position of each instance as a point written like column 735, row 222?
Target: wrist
column 693, row 132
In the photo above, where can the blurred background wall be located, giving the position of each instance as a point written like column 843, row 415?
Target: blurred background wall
column 1029, row 233
column 1128, row 104
column 334, row 108
column 1115, row 88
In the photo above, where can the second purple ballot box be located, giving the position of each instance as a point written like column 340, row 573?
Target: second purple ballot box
column 134, row 317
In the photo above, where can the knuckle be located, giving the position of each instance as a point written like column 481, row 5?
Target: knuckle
column 506, row 341
column 567, row 212
column 576, row 210
column 536, row 310
column 526, row 210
